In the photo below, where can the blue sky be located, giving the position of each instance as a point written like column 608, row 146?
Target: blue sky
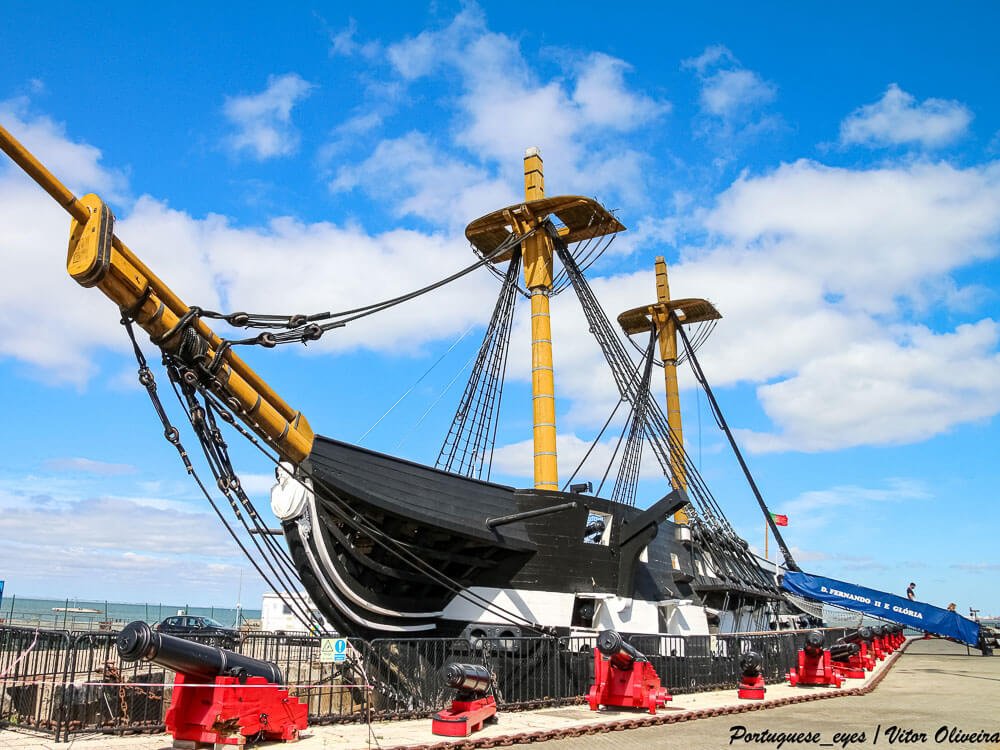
column 829, row 178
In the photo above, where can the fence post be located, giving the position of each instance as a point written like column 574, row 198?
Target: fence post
column 69, row 672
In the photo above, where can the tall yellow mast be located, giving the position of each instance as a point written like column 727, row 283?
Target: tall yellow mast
column 664, row 316
column 579, row 219
column 537, row 250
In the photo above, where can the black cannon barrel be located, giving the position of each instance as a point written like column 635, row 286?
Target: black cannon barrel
column 751, row 663
column 468, row 678
column 857, row 636
column 621, row 654
column 814, row 643
column 844, row 651
column 139, row 641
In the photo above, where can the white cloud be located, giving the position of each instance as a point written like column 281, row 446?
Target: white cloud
column 46, row 320
column 725, row 93
column 714, row 55
column 897, row 490
column 500, row 107
column 605, row 100
column 284, row 264
column 868, row 235
column 731, row 99
column 343, row 43
column 817, row 271
column 76, row 165
column 804, row 555
column 816, row 509
column 429, row 184
column 263, row 121
column 977, row 567
column 885, row 391
column 897, row 118
column 257, row 484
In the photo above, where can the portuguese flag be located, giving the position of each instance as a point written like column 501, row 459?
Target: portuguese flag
column 779, row 520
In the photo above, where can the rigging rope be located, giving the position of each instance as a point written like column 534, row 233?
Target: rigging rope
column 305, row 328
column 337, row 506
column 171, row 433
column 416, row 383
column 468, row 446
column 707, row 516
column 628, row 471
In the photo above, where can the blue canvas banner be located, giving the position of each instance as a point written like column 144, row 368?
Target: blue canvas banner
column 886, row 606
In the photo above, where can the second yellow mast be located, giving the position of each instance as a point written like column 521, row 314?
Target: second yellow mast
column 664, row 317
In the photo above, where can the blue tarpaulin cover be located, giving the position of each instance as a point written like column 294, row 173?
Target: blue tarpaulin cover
column 886, row 606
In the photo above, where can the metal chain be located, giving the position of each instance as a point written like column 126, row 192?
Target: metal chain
column 172, row 435
column 507, row 740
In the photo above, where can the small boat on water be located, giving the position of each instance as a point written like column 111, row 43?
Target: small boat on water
column 78, row 610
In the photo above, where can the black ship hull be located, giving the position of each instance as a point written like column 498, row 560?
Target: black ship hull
column 387, row 547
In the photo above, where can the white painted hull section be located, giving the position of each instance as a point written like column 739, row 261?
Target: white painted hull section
column 555, row 609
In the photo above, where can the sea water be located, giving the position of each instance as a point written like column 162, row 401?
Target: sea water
column 40, row 613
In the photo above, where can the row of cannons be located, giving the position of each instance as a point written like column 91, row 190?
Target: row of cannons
column 849, row 658
column 222, row 698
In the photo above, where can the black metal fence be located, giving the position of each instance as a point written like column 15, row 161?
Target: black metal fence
column 62, row 683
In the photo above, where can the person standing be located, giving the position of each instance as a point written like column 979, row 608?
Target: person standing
column 911, row 591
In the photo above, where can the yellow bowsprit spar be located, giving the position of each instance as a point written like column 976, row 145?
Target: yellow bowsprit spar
column 97, row 257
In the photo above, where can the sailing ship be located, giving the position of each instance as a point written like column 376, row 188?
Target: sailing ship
column 386, row 547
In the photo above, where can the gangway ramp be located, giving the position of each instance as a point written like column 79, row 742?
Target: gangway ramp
column 883, row 605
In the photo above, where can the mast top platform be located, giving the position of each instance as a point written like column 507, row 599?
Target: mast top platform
column 580, row 218
column 689, row 310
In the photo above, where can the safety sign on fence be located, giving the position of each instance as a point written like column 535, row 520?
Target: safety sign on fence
column 332, row 650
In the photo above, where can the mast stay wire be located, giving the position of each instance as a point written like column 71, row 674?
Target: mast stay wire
column 436, row 401
column 472, row 433
column 416, row 383
column 626, row 485
column 621, row 400
column 631, row 421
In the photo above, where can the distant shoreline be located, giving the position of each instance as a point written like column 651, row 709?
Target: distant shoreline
column 88, row 614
